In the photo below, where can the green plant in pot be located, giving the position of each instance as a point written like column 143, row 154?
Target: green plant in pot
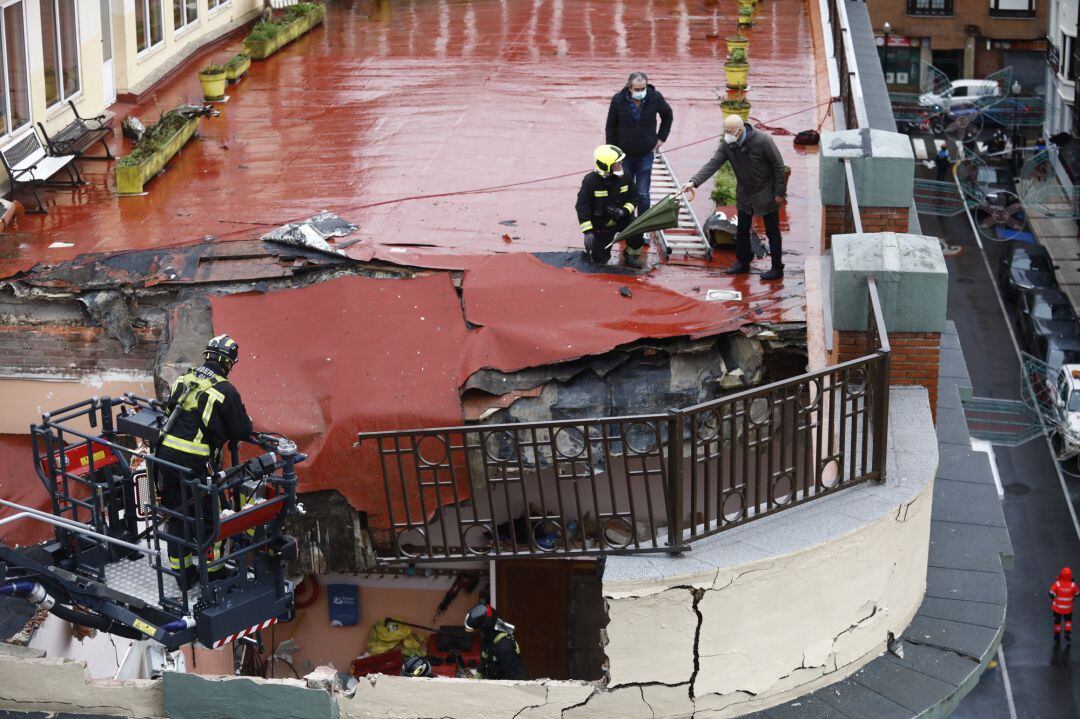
column 736, row 68
column 746, row 16
column 737, row 107
column 724, row 187
column 235, row 68
column 737, row 42
column 213, row 79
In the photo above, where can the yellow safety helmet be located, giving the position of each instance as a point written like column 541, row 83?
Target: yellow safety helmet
column 605, row 157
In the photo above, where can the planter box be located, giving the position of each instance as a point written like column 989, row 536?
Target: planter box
column 232, row 74
column 262, row 49
column 130, row 180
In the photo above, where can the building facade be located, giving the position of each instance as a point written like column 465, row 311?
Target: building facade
column 1062, row 65
column 963, row 38
column 93, row 51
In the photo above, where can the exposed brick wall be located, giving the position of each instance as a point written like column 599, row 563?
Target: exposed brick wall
column 914, row 359
column 837, row 220
column 67, row 349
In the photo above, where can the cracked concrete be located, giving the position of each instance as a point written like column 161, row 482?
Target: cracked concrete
column 62, row 685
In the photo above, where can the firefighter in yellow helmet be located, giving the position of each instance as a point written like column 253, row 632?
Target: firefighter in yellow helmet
column 605, row 205
column 205, row 412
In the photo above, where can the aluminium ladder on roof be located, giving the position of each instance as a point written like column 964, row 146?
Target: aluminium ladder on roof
column 687, row 239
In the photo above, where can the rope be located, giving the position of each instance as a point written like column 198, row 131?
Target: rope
column 475, row 191
column 783, row 131
column 507, row 186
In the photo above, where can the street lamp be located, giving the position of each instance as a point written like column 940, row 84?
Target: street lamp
column 887, row 27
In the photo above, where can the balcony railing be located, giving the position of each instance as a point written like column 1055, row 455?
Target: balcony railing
column 644, row 483
column 840, row 57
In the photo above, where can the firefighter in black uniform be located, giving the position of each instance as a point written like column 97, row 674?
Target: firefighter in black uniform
column 605, row 205
column 500, row 655
column 205, row 412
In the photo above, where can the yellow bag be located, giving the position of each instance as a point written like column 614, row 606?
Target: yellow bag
column 386, row 634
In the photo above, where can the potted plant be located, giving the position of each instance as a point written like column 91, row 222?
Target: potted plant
column 235, row 68
column 736, row 68
column 269, row 36
column 747, row 4
column 736, row 107
column 213, row 82
column 737, row 42
column 158, row 145
column 746, row 16
column 724, row 187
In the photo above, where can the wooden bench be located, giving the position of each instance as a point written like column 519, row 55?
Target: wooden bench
column 31, row 167
column 78, row 136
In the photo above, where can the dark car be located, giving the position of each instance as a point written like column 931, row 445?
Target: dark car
column 1024, row 268
column 1057, row 351
column 1045, row 312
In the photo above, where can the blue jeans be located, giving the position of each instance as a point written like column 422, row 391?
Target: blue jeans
column 640, row 168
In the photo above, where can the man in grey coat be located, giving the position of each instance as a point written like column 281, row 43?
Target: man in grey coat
column 761, row 189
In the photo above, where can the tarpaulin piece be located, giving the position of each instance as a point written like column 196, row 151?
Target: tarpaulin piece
column 321, row 363
column 21, row 485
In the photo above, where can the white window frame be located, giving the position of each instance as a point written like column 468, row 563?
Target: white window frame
column 212, row 9
column 1031, row 12
column 62, row 98
column 6, row 131
column 179, row 30
column 1065, row 64
column 150, row 46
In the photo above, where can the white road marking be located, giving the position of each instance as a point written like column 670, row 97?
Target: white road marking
column 1008, row 685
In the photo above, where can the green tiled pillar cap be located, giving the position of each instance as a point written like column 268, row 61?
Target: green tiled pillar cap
column 910, row 274
column 882, row 164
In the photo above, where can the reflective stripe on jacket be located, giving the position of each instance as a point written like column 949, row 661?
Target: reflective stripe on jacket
column 1063, row 595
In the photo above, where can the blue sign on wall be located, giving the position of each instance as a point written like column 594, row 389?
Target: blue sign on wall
column 344, row 601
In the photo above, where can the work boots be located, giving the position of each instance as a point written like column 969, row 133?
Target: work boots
column 739, row 268
column 775, row 273
column 633, row 260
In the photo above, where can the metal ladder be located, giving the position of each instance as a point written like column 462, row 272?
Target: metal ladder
column 687, row 239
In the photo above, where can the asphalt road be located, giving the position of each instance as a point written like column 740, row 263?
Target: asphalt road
column 1036, row 509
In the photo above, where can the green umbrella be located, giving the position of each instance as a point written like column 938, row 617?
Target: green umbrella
column 662, row 216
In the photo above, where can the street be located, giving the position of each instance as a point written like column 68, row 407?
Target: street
column 1043, row 529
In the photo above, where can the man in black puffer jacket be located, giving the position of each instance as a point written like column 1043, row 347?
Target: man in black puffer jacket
column 631, row 126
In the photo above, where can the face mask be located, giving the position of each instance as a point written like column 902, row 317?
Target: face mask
column 638, row 95
column 617, row 173
column 729, row 138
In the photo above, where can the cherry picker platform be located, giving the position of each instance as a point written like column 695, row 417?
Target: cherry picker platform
column 108, row 566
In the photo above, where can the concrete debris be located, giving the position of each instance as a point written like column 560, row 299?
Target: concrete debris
column 326, row 678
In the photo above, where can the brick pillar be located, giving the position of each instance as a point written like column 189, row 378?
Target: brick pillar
column 912, row 284
column 883, row 170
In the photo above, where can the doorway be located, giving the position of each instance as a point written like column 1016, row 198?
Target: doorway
column 558, row 609
column 950, row 62
column 107, row 71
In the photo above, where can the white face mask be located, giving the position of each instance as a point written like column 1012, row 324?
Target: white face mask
column 618, row 173
column 729, row 138
column 638, row 95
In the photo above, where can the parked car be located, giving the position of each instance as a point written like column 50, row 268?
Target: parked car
column 1045, row 313
column 1057, row 351
column 1065, row 404
column 1024, row 268
column 964, row 93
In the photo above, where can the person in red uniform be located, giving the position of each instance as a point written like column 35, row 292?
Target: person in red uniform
column 1062, row 593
